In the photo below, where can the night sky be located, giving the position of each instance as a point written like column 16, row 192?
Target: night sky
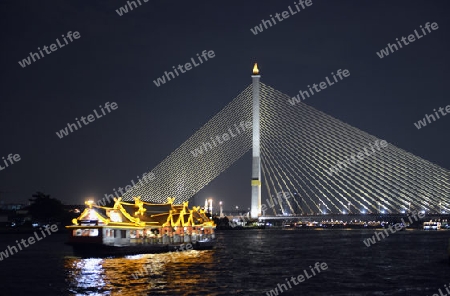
column 116, row 58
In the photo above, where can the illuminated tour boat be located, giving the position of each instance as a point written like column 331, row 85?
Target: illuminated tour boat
column 139, row 228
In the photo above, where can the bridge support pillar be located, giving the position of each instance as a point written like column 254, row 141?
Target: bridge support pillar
column 255, row 211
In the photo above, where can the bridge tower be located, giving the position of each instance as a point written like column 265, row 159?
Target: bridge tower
column 255, row 211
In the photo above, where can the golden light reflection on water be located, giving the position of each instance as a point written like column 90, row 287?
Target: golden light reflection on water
column 175, row 273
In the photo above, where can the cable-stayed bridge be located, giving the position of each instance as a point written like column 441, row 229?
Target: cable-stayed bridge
column 310, row 162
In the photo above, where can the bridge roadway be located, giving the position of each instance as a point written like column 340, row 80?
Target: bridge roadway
column 361, row 217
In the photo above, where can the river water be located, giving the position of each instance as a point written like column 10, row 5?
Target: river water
column 246, row 262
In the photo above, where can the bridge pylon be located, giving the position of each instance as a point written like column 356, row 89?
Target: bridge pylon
column 255, row 211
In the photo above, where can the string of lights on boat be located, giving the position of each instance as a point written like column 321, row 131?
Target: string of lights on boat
column 299, row 146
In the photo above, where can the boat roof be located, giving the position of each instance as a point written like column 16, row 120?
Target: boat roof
column 144, row 214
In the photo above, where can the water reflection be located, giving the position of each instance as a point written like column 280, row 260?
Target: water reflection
column 175, row 273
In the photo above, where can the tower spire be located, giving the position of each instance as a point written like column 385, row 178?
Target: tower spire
column 255, row 69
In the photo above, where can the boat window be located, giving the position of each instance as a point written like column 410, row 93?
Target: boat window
column 85, row 232
column 123, row 233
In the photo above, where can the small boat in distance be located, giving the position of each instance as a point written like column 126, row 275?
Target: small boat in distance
column 139, row 228
column 431, row 225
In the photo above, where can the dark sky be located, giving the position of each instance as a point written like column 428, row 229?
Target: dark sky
column 118, row 57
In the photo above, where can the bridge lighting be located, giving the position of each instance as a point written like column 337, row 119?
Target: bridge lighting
column 255, row 69
column 403, row 209
column 264, row 101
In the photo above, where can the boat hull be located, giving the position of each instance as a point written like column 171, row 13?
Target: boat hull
column 101, row 250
